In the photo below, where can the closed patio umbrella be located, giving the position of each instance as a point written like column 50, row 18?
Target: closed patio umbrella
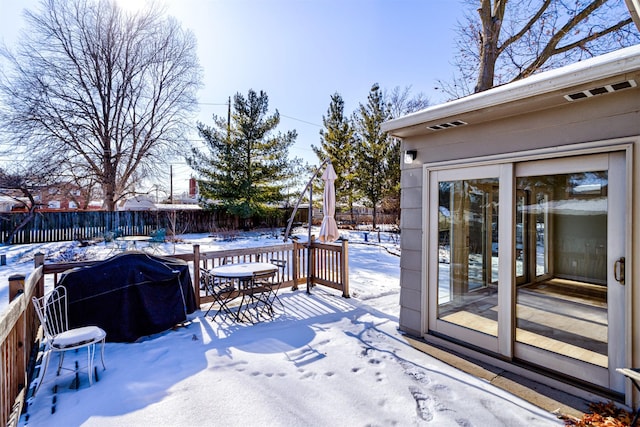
column 329, row 228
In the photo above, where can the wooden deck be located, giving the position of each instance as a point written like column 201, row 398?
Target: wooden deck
column 313, row 264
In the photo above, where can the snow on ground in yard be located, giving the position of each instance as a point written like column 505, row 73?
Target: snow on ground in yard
column 324, row 360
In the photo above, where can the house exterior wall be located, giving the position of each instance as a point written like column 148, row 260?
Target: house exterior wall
column 612, row 116
column 412, row 291
column 506, row 125
column 616, row 115
column 53, row 198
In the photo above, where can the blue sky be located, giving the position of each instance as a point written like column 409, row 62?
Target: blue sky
column 301, row 51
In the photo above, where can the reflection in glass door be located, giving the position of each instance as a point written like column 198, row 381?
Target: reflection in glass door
column 567, row 312
column 467, row 246
column 542, row 230
column 562, row 312
column 521, row 233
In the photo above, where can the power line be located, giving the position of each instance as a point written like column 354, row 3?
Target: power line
column 283, row 115
column 300, row 120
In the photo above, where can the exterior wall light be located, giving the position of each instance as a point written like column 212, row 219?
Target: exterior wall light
column 410, row 156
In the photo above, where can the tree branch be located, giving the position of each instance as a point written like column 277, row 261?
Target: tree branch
column 549, row 51
column 525, row 27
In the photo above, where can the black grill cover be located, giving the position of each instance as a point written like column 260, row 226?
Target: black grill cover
column 130, row 295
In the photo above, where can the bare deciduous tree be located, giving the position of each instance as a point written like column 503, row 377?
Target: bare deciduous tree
column 400, row 101
column 20, row 183
column 105, row 94
column 509, row 40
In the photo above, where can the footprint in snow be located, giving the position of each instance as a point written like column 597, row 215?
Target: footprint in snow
column 307, row 375
column 424, row 404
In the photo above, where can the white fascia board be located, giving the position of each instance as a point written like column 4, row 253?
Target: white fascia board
column 599, row 67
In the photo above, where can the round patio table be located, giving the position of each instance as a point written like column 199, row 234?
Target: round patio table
column 245, row 273
column 243, row 270
column 131, row 241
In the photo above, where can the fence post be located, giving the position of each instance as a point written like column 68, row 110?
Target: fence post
column 196, row 273
column 344, row 268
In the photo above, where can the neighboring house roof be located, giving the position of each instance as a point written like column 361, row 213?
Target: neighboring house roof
column 6, row 203
column 509, row 99
column 178, row 207
column 138, row 203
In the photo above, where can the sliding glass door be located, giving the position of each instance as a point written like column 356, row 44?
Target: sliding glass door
column 525, row 261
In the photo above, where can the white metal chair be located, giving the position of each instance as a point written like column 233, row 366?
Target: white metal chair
column 52, row 312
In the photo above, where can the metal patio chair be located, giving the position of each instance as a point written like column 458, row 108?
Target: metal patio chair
column 53, row 314
column 634, row 375
column 223, row 292
column 267, row 285
column 158, row 237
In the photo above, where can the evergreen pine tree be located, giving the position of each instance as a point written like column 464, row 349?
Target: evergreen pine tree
column 372, row 150
column 337, row 144
column 247, row 165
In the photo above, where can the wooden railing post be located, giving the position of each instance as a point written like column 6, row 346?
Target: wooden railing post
column 16, row 286
column 38, row 260
column 196, row 273
column 295, row 261
column 311, row 264
column 17, row 333
column 344, row 268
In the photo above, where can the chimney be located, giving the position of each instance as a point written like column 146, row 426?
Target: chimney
column 193, row 187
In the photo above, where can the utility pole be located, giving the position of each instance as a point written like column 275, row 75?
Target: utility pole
column 229, row 118
column 170, row 184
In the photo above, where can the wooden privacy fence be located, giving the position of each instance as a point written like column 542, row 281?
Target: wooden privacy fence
column 61, row 226
column 313, row 264
column 86, row 225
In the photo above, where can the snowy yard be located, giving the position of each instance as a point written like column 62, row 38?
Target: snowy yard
column 324, row 360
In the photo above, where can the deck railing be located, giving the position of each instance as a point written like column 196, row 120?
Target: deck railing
column 18, row 338
column 311, row 264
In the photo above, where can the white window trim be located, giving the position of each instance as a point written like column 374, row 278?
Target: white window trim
column 618, row 144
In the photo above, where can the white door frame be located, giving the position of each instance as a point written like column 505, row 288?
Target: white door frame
column 620, row 172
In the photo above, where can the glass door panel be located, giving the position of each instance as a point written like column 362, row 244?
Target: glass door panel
column 567, row 312
column 467, row 271
column 562, row 308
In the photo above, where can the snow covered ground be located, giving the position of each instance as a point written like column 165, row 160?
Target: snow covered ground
column 324, row 360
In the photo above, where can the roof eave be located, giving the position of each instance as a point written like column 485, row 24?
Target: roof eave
column 604, row 66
